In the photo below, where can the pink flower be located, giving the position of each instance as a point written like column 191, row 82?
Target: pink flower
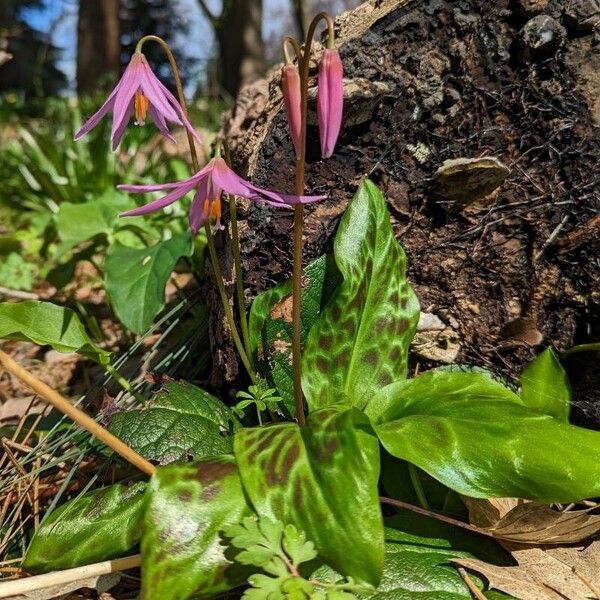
column 290, row 87
column 330, row 100
column 209, row 182
column 139, row 92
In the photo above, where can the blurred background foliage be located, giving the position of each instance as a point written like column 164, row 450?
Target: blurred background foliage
column 60, row 237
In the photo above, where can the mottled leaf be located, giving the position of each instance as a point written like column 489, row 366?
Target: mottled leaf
column 360, row 342
column 477, row 437
column 183, row 550
column 135, row 278
column 96, row 526
column 45, row 323
column 545, row 386
column 182, row 422
column 322, row 479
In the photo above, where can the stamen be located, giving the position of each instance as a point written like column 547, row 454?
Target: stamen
column 140, row 107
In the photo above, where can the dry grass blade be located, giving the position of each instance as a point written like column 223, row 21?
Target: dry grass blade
column 532, row 523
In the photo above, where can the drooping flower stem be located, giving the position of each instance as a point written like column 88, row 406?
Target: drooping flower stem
column 210, row 241
column 303, row 58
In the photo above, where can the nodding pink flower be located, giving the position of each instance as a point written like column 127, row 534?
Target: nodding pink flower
column 139, row 92
column 330, row 100
column 290, row 87
column 209, row 182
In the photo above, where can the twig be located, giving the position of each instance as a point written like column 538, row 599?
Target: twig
column 434, row 515
column 471, row 584
column 18, row 294
column 85, row 421
column 40, row 582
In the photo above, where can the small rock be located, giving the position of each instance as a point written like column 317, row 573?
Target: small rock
column 467, row 180
column 582, row 16
column 541, row 37
column 438, row 346
column 529, row 8
column 474, row 308
column 430, row 322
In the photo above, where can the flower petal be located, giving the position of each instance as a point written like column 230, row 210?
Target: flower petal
column 118, row 134
column 155, row 205
column 157, row 187
column 160, row 122
column 330, row 100
column 198, row 213
column 98, row 115
column 128, row 85
column 290, row 88
column 175, row 104
column 151, row 86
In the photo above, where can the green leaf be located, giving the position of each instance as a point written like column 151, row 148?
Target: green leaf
column 136, row 278
column 270, row 325
column 183, row 552
column 417, row 565
column 417, row 562
column 96, row 526
column 44, row 323
column 360, row 342
column 183, row 421
column 83, row 221
column 322, row 479
column 545, row 386
column 477, row 437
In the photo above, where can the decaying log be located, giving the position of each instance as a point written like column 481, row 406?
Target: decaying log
column 433, row 81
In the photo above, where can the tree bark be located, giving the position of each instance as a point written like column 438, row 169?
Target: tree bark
column 508, row 271
column 98, row 43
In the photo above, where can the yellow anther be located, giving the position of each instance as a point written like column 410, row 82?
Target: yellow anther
column 140, row 107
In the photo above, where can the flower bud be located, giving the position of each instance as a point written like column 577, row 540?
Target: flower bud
column 330, row 100
column 290, row 87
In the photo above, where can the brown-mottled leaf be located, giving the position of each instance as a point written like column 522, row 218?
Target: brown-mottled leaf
column 545, row 573
column 532, row 523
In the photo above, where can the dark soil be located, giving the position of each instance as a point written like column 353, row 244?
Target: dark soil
column 459, row 81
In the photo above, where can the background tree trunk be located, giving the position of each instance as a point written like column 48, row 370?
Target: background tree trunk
column 98, row 43
column 238, row 30
column 506, row 267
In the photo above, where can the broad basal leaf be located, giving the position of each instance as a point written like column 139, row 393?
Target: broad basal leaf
column 136, row 278
column 79, row 222
column 45, row 323
column 183, row 550
column 182, row 422
column 478, row 438
column 97, row 526
column 360, row 342
column 270, row 326
column 545, row 386
column 417, row 565
column 322, row 479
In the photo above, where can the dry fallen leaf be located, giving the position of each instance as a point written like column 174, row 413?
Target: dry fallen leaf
column 545, row 573
column 531, row 523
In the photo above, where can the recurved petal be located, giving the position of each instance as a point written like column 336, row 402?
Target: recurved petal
column 330, row 100
column 155, row 205
column 155, row 92
column 157, row 187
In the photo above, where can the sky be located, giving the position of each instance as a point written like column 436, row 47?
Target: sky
column 60, row 18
